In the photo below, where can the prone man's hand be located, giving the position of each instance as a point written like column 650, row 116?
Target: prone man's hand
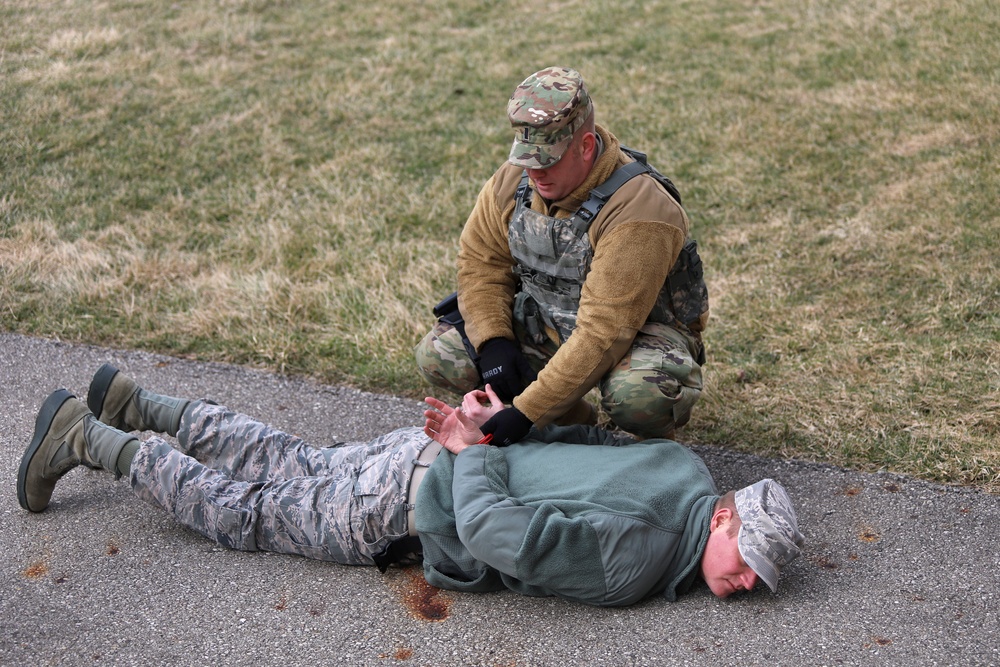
column 451, row 427
column 481, row 405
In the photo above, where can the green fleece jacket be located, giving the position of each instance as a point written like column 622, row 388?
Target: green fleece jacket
column 636, row 238
column 591, row 522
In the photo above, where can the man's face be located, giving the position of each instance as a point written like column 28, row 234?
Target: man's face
column 566, row 175
column 722, row 566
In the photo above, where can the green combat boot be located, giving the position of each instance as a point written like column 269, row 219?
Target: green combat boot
column 66, row 435
column 119, row 402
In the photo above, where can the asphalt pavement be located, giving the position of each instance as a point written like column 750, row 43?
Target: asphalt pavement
column 895, row 571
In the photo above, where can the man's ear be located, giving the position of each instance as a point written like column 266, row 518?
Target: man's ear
column 722, row 517
column 588, row 147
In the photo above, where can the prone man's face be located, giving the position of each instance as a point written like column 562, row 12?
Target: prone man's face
column 722, row 566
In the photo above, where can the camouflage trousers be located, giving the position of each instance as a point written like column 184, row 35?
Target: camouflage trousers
column 249, row 486
column 650, row 392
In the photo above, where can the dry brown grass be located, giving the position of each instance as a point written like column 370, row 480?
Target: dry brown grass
column 283, row 184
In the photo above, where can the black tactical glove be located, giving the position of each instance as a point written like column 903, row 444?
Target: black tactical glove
column 505, row 368
column 507, row 426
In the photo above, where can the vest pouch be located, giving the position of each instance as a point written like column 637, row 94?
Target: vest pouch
column 526, row 312
column 688, row 292
column 447, row 309
column 543, row 243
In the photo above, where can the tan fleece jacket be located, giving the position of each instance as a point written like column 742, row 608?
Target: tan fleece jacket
column 636, row 239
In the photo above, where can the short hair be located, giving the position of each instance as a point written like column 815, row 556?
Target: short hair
column 589, row 125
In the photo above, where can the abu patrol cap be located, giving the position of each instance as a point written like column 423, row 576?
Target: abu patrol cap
column 545, row 111
column 769, row 536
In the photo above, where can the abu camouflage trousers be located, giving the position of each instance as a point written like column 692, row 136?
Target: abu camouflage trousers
column 249, row 486
column 649, row 393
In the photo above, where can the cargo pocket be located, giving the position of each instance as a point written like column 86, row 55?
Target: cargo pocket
column 233, row 528
column 379, row 501
column 208, row 515
column 289, row 524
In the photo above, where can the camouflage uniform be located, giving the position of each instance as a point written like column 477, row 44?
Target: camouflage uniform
column 650, row 392
column 653, row 387
column 250, row 487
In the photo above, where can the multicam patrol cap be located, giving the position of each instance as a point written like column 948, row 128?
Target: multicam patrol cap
column 545, row 111
column 769, row 536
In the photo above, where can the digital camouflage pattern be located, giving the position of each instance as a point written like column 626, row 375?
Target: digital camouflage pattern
column 249, row 486
column 769, row 536
column 649, row 393
column 553, row 258
column 544, row 111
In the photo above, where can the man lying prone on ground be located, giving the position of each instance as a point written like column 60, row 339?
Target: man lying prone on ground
column 577, row 512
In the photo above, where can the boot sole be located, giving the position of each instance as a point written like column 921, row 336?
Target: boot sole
column 43, row 422
column 99, row 387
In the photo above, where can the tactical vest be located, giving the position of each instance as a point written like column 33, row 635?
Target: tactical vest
column 553, row 258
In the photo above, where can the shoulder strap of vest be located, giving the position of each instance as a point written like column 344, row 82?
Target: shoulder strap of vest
column 667, row 184
column 600, row 195
column 523, row 193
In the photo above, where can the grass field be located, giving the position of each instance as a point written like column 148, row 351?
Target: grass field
column 282, row 185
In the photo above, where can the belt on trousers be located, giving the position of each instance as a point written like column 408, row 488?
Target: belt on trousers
column 424, row 462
